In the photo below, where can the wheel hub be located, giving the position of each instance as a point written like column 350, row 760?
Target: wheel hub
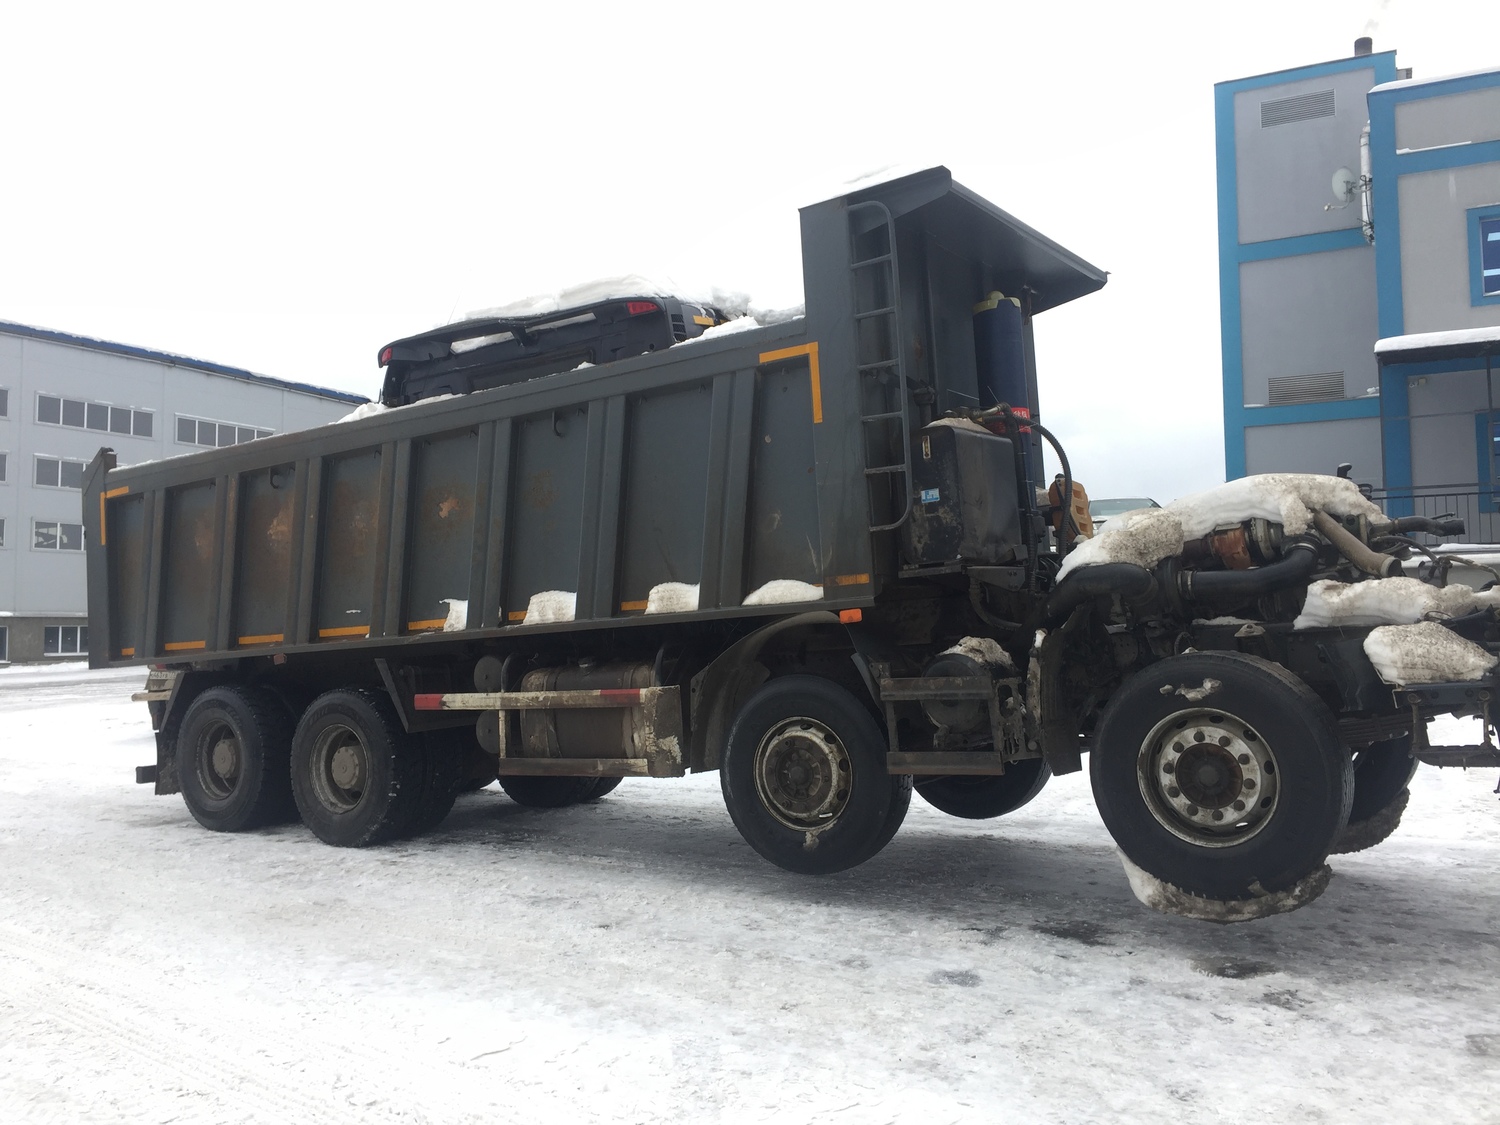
column 1208, row 777
column 344, row 768
column 225, row 758
column 339, row 768
column 802, row 774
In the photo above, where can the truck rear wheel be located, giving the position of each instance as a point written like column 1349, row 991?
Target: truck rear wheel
column 1382, row 772
column 804, row 777
column 981, row 798
column 1221, row 774
column 357, row 776
column 444, row 758
column 233, row 750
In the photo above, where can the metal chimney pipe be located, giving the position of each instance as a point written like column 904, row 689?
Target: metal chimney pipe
column 1364, row 45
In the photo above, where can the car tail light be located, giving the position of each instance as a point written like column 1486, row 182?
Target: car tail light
column 385, row 354
column 638, row 308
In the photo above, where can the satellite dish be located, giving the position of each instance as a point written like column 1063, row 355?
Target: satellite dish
column 1343, row 184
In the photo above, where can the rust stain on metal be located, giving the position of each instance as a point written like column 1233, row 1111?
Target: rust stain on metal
column 540, row 491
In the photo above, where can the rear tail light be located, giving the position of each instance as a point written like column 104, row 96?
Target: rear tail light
column 639, row 308
column 385, row 354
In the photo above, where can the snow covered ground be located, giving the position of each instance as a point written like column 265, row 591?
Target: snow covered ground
column 634, row 961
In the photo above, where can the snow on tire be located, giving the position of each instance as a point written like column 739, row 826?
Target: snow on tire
column 1221, row 774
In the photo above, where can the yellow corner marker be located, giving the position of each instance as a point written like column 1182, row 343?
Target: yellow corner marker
column 103, row 496
column 811, row 352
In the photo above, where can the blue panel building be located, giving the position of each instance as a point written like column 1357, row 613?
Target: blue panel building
column 1359, row 232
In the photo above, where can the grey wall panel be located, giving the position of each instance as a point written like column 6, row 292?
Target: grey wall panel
column 1435, row 290
column 1317, row 447
column 1283, row 172
column 1444, row 451
column 1307, row 315
column 1451, row 392
column 1453, row 119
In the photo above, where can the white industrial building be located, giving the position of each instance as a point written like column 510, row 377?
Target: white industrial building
column 62, row 397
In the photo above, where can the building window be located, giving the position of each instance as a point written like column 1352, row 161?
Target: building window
column 52, row 472
column 65, row 640
column 2, row 531
column 50, row 535
column 3, row 477
column 4, row 402
column 4, row 644
column 1484, row 255
column 55, row 411
column 201, row 431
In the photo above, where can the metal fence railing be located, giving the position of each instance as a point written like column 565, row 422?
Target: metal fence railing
column 1475, row 507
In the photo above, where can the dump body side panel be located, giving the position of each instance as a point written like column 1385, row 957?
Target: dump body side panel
column 707, row 467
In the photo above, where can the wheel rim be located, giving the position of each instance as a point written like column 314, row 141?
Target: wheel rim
column 219, row 760
column 802, row 774
column 340, row 768
column 1208, row 778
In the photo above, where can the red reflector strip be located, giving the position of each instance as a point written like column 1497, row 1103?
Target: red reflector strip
column 633, row 693
column 427, row 702
column 638, row 308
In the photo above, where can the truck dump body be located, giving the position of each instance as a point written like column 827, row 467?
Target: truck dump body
column 727, row 464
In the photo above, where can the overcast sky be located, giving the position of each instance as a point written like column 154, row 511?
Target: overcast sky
column 287, row 187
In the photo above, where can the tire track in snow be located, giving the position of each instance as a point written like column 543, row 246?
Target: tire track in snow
column 174, row 1051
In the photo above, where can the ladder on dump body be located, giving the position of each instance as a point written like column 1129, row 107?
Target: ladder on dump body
column 878, row 286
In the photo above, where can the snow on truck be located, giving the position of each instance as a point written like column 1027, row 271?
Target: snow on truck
column 621, row 538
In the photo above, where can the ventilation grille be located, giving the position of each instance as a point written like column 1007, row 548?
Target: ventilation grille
column 1303, row 107
column 1284, row 390
column 679, row 328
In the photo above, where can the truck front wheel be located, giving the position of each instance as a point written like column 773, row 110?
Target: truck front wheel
column 357, row 776
column 232, row 751
column 1221, row 774
column 804, row 777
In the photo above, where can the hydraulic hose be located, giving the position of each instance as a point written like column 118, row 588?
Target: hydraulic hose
column 1067, row 489
column 1296, row 565
column 1087, row 582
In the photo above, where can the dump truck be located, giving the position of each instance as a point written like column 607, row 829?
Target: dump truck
column 817, row 555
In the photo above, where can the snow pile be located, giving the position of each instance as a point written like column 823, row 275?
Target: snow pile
column 1147, row 536
column 458, row 615
column 959, row 424
column 1451, row 338
column 1143, row 537
column 371, row 409
column 1387, row 601
column 780, row 591
column 550, row 606
column 1425, row 653
column 728, row 328
column 1166, row 898
column 672, row 597
column 364, row 410
column 984, row 650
